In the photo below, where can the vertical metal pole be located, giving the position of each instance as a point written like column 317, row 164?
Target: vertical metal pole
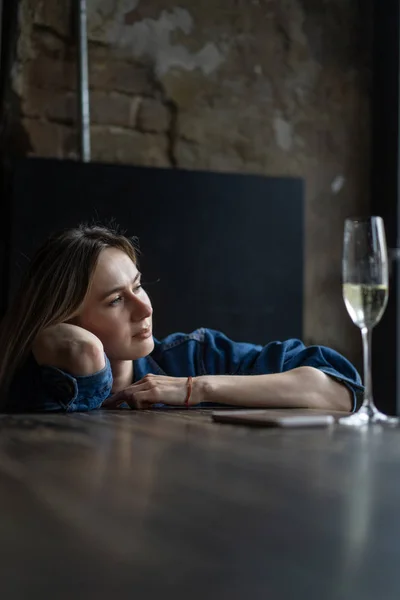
column 83, row 84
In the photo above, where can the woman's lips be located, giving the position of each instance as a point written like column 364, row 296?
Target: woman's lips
column 144, row 334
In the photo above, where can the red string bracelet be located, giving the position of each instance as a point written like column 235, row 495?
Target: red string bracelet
column 189, row 384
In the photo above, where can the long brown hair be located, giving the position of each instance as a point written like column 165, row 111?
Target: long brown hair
column 53, row 288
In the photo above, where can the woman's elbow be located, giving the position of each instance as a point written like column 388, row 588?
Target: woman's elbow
column 329, row 394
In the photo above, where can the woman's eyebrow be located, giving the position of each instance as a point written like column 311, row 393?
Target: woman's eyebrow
column 120, row 288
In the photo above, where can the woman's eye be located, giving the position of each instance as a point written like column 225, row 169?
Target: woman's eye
column 116, row 301
column 119, row 299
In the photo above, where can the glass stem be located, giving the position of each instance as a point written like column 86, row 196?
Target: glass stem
column 368, row 403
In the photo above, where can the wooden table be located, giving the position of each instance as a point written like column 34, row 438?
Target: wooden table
column 145, row 505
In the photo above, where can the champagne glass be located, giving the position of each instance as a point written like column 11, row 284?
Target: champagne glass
column 365, row 292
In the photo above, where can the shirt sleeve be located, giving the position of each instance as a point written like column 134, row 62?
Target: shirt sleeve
column 225, row 357
column 40, row 388
column 61, row 391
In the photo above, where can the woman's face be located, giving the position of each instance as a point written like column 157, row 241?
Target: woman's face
column 117, row 309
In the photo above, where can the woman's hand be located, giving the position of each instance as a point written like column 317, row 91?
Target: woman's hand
column 69, row 348
column 152, row 389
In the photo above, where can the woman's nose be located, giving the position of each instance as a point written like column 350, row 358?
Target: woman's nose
column 141, row 308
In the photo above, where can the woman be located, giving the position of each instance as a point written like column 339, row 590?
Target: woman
column 78, row 336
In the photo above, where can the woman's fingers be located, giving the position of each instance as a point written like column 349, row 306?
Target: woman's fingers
column 133, row 398
column 152, row 389
column 128, row 395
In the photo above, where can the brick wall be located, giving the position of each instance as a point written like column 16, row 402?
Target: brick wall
column 278, row 87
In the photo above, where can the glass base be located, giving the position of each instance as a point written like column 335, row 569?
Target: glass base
column 368, row 415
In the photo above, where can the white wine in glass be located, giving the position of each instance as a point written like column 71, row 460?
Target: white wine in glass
column 365, row 292
column 365, row 303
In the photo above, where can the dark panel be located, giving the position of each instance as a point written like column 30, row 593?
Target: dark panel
column 385, row 193
column 227, row 248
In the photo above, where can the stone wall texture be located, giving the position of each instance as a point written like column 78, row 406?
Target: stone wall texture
column 275, row 87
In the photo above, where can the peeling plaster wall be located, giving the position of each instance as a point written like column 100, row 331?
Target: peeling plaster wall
column 277, row 87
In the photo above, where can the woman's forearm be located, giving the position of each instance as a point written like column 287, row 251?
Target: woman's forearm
column 304, row 387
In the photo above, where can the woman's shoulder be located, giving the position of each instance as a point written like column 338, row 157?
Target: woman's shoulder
column 180, row 354
column 217, row 339
column 202, row 335
column 201, row 351
column 176, row 339
column 208, row 351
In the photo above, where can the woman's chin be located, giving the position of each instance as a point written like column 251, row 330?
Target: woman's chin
column 143, row 347
column 137, row 349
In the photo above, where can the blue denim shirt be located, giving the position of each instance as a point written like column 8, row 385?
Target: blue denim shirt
column 202, row 352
